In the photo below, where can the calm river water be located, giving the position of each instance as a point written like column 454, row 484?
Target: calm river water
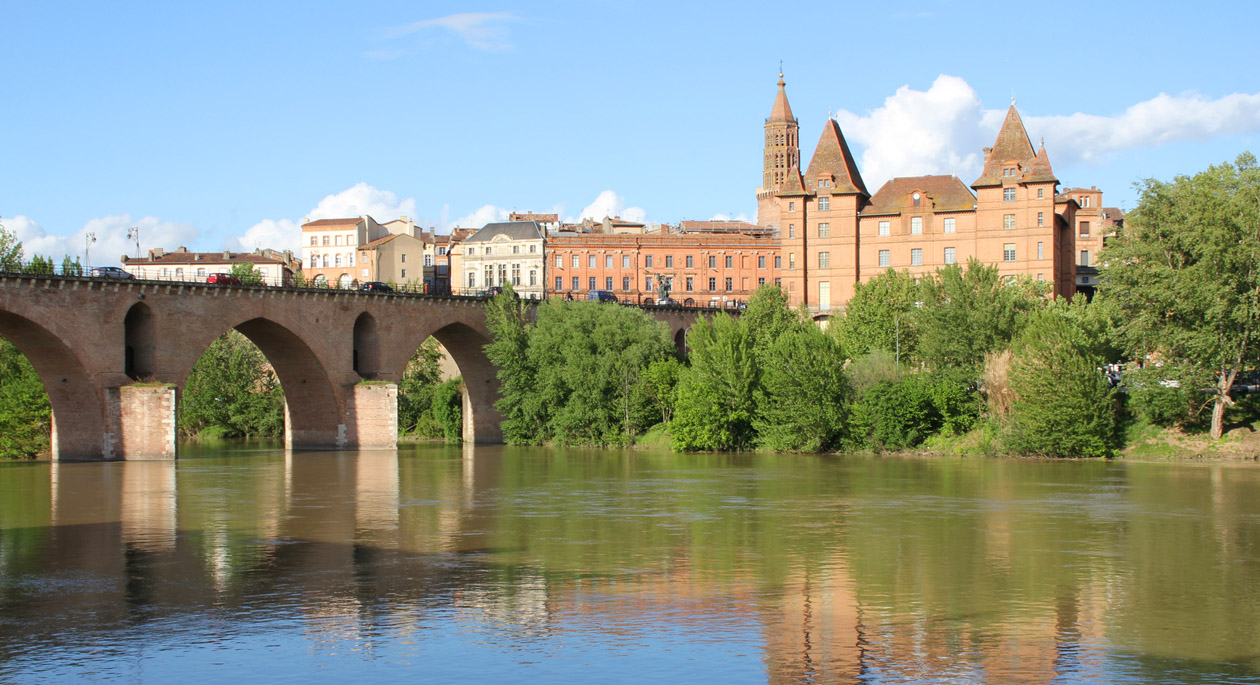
column 502, row 564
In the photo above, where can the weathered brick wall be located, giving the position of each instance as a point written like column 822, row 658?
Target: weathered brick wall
column 141, row 422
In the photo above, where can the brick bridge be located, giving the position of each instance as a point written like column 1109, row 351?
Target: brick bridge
column 91, row 340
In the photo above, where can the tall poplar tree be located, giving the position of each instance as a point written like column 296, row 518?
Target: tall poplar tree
column 1185, row 273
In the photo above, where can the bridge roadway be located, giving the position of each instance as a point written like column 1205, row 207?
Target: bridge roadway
column 114, row 356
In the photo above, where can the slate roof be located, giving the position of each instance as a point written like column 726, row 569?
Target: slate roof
column 943, row 194
column 832, row 157
column 514, row 230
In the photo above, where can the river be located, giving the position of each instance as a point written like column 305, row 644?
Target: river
column 495, row 563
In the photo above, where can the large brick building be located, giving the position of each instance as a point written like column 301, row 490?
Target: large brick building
column 834, row 233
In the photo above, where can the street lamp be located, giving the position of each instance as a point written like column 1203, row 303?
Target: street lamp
column 88, row 239
column 133, row 233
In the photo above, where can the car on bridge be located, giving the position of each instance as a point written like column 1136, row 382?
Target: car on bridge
column 601, row 296
column 375, row 287
column 222, row 279
column 492, row 291
column 667, row 302
column 110, row 272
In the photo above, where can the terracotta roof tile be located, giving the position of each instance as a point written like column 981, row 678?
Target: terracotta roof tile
column 1012, row 145
column 794, row 186
column 781, row 111
column 944, row 194
column 1040, row 171
column 323, row 223
column 832, row 157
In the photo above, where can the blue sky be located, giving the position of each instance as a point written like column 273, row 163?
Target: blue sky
column 223, row 125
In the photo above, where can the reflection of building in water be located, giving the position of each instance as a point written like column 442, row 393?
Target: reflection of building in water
column 521, row 605
column 813, row 632
column 376, row 497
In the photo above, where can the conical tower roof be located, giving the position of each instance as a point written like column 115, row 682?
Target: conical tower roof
column 782, row 111
column 832, row 156
column 1012, row 145
column 794, row 186
column 1040, row 171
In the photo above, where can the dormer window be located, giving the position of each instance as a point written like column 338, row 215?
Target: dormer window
column 917, row 198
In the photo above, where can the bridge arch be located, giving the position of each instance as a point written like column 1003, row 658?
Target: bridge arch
column 466, row 347
column 367, row 357
column 139, row 341
column 78, row 416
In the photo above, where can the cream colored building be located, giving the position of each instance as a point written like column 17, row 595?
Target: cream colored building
column 501, row 253
column 277, row 268
column 397, row 259
column 330, row 246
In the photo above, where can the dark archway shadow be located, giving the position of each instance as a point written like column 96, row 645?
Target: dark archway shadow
column 481, row 382
column 78, row 417
column 140, row 342
column 367, row 356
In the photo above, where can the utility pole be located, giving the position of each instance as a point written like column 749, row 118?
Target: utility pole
column 88, row 239
column 133, row 233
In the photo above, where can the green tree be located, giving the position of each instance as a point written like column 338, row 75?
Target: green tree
column 524, row 414
column 716, row 395
column 1062, row 404
column 657, row 392
column 25, row 414
column 448, row 409
column 39, row 265
column 968, row 313
column 416, row 389
column 247, row 274
column 232, row 391
column 895, row 414
column 71, row 267
column 767, row 317
column 10, row 250
column 1185, row 273
column 801, row 406
column 879, row 316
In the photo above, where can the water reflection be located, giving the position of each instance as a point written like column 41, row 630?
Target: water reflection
column 498, row 562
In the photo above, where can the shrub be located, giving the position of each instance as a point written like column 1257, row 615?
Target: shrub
column 895, row 415
column 1167, row 395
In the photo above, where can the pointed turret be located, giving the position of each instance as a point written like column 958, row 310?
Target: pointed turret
column 1040, row 171
column 1012, row 150
column 833, row 158
column 782, row 111
column 794, row 186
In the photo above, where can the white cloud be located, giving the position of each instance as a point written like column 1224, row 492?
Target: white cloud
column 481, row 30
column 282, row 234
column 727, row 217
column 360, row 199
column 111, row 238
column 486, row 215
column 611, row 204
column 943, row 129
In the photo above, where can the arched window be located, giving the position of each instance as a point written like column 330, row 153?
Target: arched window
column 326, row 261
column 337, row 260
column 345, row 283
column 179, row 274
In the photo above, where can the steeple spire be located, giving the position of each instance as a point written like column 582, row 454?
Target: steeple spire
column 782, row 111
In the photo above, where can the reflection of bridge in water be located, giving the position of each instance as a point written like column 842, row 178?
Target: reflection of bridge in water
column 340, row 544
column 114, row 357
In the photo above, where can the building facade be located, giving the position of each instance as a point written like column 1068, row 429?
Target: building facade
column 834, row 233
column 502, row 253
column 330, row 249
column 275, row 267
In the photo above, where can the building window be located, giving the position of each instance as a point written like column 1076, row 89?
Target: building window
column 690, row 283
column 607, row 282
column 1041, row 277
column 314, row 240
column 824, row 230
column 647, row 261
column 916, row 225
column 608, row 262
column 1041, row 251
column 647, row 286
column 1084, row 257
column 1008, row 252
column 949, row 255
column 691, row 262
column 884, row 228
column 533, row 277
column 533, row 249
column 728, row 285
column 516, row 274
column 884, row 259
column 1084, row 229
column 1085, row 201
column 590, row 261
column 712, row 262
column 590, row 283
column 761, row 262
column 728, row 261
column 472, row 278
column 625, row 261
column 488, row 250
column 576, row 261
column 326, row 261
column 948, row 225
column 916, row 257
column 791, row 206
column 559, row 282
column 1008, row 194
column 778, row 262
column 516, row 249
column 761, row 282
column 1041, row 218
column 791, row 230
column 559, row 263
column 325, row 241
column 625, row 283
column 576, row 283
column 824, row 260
column 791, row 260
column 1041, row 193
column 824, row 203
column 336, row 261
column 669, row 261
column 1008, row 221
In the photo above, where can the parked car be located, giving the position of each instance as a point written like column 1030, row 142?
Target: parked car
column 667, row 302
column 110, row 272
column 375, row 287
column 492, row 291
column 601, row 296
column 222, row 279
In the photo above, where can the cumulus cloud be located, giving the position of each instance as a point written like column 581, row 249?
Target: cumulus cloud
column 727, row 217
column 360, row 199
column 111, row 238
column 943, row 129
column 480, row 30
column 611, row 204
column 486, row 215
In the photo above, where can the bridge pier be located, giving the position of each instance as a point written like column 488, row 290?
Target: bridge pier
column 368, row 420
column 139, row 422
